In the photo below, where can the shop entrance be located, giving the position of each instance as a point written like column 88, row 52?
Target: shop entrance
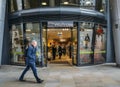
column 81, row 43
column 59, row 43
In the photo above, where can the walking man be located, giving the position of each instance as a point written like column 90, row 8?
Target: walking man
column 30, row 62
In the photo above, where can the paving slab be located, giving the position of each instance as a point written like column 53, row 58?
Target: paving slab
column 63, row 75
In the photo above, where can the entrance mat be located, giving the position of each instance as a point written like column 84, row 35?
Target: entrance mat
column 59, row 62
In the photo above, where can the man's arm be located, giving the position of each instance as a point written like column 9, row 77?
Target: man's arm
column 29, row 52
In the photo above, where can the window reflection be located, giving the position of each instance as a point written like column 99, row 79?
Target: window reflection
column 31, row 4
column 17, row 51
column 32, row 32
column 86, row 39
column 45, row 3
column 13, row 5
column 69, row 2
column 75, row 40
column 98, row 5
column 87, row 4
column 100, row 45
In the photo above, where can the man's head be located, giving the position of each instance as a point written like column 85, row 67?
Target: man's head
column 34, row 43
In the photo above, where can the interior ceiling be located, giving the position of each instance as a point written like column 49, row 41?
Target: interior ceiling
column 59, row 33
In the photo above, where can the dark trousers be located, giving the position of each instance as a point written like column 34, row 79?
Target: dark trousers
column 70, row 54
column 60, row 54
column 33, row 67
column 54, row 55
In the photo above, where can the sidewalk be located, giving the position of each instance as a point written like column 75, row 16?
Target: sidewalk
column 60, row 75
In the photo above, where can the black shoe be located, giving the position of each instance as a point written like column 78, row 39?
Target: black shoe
column 40, row 81
column 21, row 80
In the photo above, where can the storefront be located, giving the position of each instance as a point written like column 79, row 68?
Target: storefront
column 84, row 29
column 88, row 42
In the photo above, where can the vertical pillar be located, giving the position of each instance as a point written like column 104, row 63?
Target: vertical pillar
column 41, row 45
column 116, row 28
column 110, row 49
column 78, row 42
column 2, row 21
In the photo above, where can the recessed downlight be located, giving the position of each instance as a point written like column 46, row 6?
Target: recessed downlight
column 88, row 3
column 44, row 3
column 66, row 3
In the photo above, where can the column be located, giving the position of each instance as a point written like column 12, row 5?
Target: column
column 116, row 28
column 110, row 45
column 2, row 20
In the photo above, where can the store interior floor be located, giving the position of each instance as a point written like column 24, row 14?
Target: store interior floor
column 64, row 60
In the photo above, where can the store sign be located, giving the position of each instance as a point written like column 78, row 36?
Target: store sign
column 60, row 24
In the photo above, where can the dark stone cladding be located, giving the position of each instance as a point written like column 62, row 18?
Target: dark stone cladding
column 57, row 11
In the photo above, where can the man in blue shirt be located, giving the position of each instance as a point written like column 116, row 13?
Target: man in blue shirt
column 30, row 62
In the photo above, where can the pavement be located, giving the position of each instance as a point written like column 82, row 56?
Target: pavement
column 63, row 75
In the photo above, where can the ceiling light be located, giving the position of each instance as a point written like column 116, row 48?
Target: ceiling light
column 88, row 3
column 33, row 33
column 28, row 37
column 44, row 3
column 28, row 30
column 101, row 10
column 59, row 33
column 66, row 3
column 44, row 29
column 62, row 40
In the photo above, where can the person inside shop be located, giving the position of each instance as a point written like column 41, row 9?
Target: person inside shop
column 64, row 50
column 54, row 51
column 70, row 50
column 87, row 40
column 59, row 51
column 30, row 62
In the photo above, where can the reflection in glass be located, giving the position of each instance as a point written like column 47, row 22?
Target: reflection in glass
column 31, row 4
column 44, row 43
column 99, row 5
column 13, row 4
column 69, row 2
column 100, row 41
column 74, row 40
column 86, row 33
column 46, row 3
column 88, row 4
column 17, row 44
column 33, row 33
